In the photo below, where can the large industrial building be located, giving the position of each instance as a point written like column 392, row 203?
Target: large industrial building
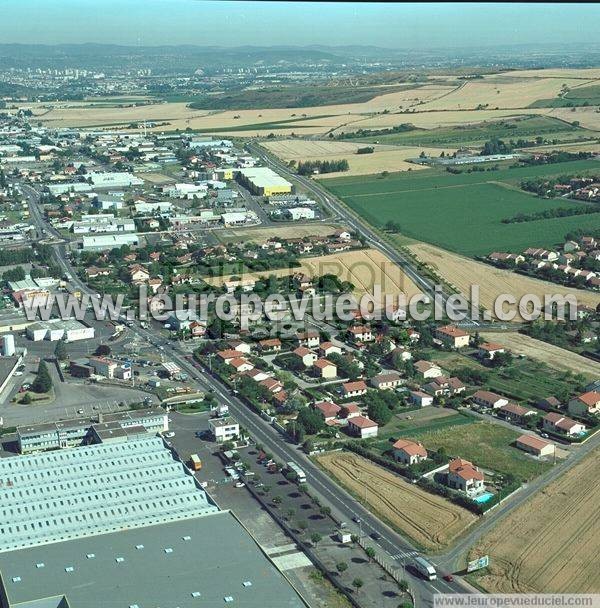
column 124, row 525
column 80, row 431
column 114, row 179
column 109, row 241
column 53, row 330
column 264, row 181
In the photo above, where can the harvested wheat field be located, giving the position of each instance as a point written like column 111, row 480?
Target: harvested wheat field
column 554, row 356
column 462, row 273
column 430, row 520
column 551, row 543
column 499, row 91
column 364, row 268
column 588, row 117
column 384, row 158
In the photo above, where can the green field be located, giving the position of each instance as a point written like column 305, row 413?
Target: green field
column 580, row 96
column 464, row 212
column 529, row 127
column 487, row 445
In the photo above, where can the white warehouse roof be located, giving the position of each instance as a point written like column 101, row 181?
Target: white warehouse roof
column 263, row 177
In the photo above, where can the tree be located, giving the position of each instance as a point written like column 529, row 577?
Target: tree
column 341, row 567
column 311, row 420
column 325, row 510
column 370, row 553
column 277, row 500
column 354, row 538
column 60, row 352
column 43, row 381
column 103, row 350
column 26, row 400
column 357, row 583
column 315, row 538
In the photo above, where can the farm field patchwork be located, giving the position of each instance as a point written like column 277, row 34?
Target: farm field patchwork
column 464, row 212
column 430, row 520
column 486, row 444
column 562, row 520
column 462, row 273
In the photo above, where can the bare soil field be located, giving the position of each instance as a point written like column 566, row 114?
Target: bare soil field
column 554, row 356
column 364, row 269
column 259, row 235
column 462, row 273
column 384, row 158
column 551, row 543
column 155, row 178
column 429, row 520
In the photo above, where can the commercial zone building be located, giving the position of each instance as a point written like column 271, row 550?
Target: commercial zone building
column 69, row 330
column 124, row 525
column 264, row 181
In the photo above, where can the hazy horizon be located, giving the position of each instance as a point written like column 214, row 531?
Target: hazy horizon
column 233, row 24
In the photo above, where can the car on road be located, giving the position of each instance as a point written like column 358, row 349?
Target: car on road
column 376, row 536
column 18, row 373
column 448, row 577
column 170, row 434
column 356, row 519
column 239, row 484
column 80, row 411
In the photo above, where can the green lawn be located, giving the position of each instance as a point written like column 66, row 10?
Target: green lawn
column 463, row 212
column 485, row 444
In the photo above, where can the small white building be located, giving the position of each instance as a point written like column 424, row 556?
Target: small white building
column 363, row 427
column 224, row 429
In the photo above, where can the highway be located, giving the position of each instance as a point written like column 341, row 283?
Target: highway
column 343, row 505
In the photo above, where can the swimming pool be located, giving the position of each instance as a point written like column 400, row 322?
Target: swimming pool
column 483, row 497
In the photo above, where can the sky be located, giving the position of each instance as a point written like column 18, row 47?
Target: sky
column 403, row 26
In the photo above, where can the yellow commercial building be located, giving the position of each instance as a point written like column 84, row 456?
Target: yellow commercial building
column 264, row 181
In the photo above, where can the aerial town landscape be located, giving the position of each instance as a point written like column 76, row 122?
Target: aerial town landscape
column 303, row 318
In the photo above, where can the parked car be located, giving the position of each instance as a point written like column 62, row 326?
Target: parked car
column 239, row 484
column 448, row 577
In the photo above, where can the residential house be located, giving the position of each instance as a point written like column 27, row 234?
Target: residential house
column 228, row 355
column 272, row 385
column 270, row 345
column 557, row 423
column 241, row 365
column 328, row 348
column 488, row 399
column 350, row 410
column 93, row 272
column 325, row 369
column 354, row 389
column 361, row 333
column 309, row 338
column 488, row 350
column 535, row 445
column 427, row 369
column 549, row 403
column 465, row 476
column 420, row 398
column 585, row 404
column 138, row 274
column 409, row 452
column 329, row 410
column 307, row 356
column 515, row 413
column 258, row 375
column 452, row 336
column 362, row 427
column 240, row 346
column 386, row 381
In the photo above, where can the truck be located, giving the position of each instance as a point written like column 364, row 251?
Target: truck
column 425, row 569
column 196, row 462
column 300, row 474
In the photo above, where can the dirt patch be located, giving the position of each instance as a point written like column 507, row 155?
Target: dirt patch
column 260, row 235
column 554, row 356
column 551, row 543
column 430, row 520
